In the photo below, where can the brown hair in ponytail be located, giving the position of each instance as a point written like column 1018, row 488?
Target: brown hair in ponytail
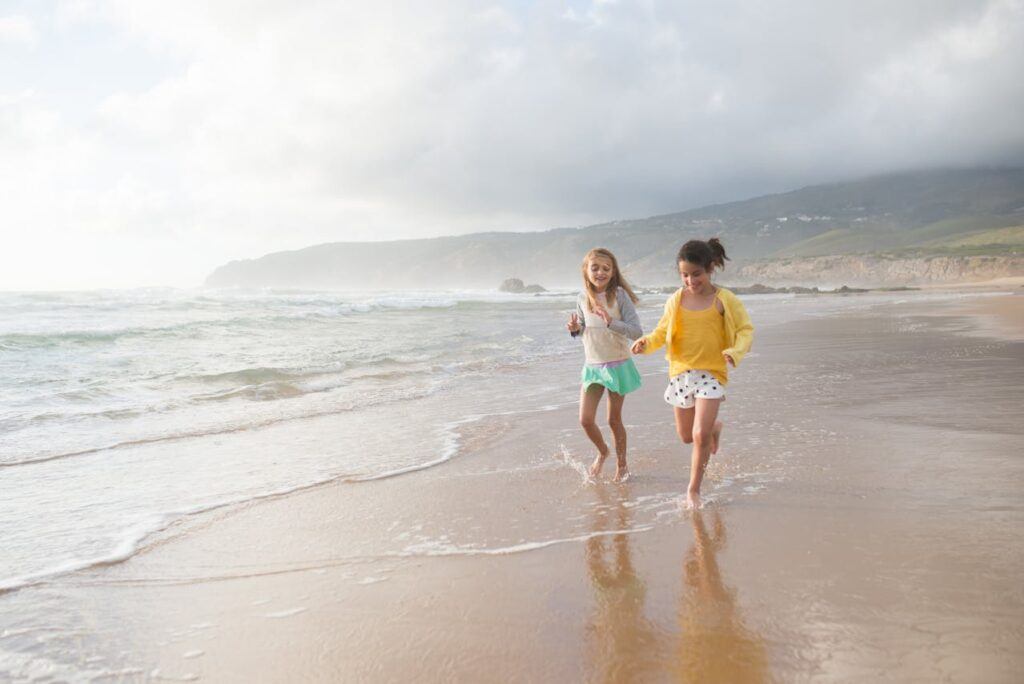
column 708, row 255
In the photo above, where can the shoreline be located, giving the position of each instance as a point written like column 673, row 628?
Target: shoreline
column 999, row 284
column 1006, row 284
column 999, row 317
column 815, row 549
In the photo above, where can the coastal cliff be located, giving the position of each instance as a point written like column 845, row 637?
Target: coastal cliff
column 877, row 271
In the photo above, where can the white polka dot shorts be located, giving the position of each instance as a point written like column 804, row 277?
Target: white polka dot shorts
column 685, row 388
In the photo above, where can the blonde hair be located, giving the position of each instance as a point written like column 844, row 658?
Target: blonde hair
column 614, row 283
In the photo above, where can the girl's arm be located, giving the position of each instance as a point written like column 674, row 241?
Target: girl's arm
column 743, row 330
column 630, row 324
column 656, row 338
column 580, row 318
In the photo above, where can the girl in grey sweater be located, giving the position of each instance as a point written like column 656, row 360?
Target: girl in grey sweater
column 607, row 321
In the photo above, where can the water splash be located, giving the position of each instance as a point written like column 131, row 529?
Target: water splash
column 565, row 458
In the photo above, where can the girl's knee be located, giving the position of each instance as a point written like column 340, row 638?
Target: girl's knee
column 615, row 423
column 684, row 435
column 587, row 422
column 700, row 437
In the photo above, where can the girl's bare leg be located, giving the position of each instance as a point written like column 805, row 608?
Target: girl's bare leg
column 618, row 429
column 684, row 424
column 590, row 397
column 704, row 424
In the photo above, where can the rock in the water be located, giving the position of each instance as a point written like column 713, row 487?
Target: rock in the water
column 516, row 286
column 512, row 285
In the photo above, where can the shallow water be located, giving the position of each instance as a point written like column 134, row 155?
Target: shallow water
column 123, row 411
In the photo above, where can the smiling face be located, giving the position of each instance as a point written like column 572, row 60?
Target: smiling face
column 599, row 272
column 695, row 277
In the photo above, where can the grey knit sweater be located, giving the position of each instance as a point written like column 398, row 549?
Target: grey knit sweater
column 602, row 343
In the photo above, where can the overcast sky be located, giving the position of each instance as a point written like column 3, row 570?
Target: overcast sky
column 145, row 142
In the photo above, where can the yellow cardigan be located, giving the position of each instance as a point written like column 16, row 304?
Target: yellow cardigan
column 739, row 331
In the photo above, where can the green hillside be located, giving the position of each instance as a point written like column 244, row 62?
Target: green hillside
column 1011, row 236
column 1005, row 241
column 973, row 233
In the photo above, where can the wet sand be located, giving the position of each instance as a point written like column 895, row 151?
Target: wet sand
column 1000, row 315
column 865, row 522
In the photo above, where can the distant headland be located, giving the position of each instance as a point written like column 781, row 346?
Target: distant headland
column 901, row 229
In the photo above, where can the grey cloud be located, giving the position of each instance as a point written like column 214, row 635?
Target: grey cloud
column 624, row 109
column 659, row 106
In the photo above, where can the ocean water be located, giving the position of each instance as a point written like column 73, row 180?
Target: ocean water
column 121, row 412
column 124, row 412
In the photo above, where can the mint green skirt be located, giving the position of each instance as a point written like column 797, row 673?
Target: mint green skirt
column 621, row 378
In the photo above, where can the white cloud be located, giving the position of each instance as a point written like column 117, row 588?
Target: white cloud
column 17, row 30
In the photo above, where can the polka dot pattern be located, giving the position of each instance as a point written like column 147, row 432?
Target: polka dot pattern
column 684, row 389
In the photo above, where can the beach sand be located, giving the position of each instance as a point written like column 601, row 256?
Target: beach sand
column 865, row 522
column 1000, row 316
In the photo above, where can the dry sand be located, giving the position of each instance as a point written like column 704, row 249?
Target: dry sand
column 866, row 524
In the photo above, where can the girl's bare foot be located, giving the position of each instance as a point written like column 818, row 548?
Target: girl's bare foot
column 716, row 436
column 692, row 500
column 621, row 473
column 595, row 467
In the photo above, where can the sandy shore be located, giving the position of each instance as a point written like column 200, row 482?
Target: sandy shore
column 1004, row 284
column 1001, row 315
column 865, row 522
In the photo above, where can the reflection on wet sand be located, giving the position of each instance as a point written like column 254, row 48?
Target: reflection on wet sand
column 622, row 644
column 709, row 642
column 713, row 644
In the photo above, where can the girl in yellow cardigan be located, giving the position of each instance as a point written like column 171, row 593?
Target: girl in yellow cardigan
column 705, row 329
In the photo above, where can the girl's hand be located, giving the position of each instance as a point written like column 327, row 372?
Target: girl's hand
column 600, row 312
column 729, row 360
column 573, row 325
column 640, row 345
